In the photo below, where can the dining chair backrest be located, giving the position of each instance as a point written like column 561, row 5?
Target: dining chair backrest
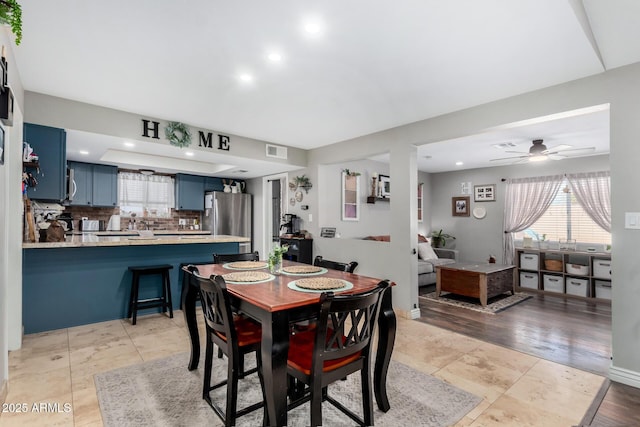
column 216, row 304
column 349, row 267
column 222, row 258
column 346, row 324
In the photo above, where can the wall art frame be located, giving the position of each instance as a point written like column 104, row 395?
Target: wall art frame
column 484, row 193
column 460, row 206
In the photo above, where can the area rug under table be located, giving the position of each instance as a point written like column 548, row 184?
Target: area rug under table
column 164, row 393
column 494, row 305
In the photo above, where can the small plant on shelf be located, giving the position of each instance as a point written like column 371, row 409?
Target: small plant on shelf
column 439, row 239
column 350, row 173
column 304, row 182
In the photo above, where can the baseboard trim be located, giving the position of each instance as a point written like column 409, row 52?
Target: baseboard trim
column 624, row 376
column 410, row 314
column 3, row 392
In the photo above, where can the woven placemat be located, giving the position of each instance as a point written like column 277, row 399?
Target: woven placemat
column 249, row 265
column 320, row 283
column 246, row 276
column 302, row 269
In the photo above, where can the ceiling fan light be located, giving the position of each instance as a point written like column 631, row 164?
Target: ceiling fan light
column 539, row 158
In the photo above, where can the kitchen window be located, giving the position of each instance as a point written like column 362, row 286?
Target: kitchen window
column 146, row 196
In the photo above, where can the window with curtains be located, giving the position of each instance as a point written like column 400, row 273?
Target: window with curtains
column 148, row 196
column 568, row 216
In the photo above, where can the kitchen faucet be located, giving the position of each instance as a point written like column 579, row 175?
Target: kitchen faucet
column 143, row 225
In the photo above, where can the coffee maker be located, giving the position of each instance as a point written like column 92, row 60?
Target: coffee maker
column 290, row 224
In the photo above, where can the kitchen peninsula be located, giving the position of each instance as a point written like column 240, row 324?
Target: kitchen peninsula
column 85, row 279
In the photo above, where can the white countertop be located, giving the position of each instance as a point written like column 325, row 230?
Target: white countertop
column 121, row 238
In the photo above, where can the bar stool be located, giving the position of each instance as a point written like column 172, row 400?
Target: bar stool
column 164, row 301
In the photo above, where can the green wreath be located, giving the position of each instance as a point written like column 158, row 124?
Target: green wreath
column 173, row 129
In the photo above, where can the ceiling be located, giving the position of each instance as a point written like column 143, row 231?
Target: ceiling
column 369, row 67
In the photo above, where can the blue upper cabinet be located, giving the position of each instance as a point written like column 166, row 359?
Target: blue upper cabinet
column 50, row 144
column 189, row 192
column 213, row 184
column 94, row 185
column 105, row 185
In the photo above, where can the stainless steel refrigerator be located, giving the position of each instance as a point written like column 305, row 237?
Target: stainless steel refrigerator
column 228, row 214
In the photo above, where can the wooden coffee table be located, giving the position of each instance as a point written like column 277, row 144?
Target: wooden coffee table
column 475, row 280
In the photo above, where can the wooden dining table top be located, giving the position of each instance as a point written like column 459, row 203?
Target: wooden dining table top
column 275, row 295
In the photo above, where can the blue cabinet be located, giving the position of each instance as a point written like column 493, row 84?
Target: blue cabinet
column 189, row 192
column 50, row 144
column 105, row 185
column 213, row 184
column 94, row 185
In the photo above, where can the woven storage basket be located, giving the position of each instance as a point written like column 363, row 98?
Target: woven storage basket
column 553, row 264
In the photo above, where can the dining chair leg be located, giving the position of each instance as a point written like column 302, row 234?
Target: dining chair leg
column 232, row 392
column 265, row 415
column 316, row 404
column 208, row 361
column 367, row 396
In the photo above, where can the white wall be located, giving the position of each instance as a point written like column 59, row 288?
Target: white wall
column 476, row 239
column 11, row 222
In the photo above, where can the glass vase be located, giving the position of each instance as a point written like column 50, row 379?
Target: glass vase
column 275, row 264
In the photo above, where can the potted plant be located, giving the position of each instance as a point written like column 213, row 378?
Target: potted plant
column 439, row 239
column 11, row 13
column 304, row 182
column 543, row 243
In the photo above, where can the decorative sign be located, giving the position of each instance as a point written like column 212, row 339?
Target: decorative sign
column 179, row 135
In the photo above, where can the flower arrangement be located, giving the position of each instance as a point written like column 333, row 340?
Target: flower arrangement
column 275, row 257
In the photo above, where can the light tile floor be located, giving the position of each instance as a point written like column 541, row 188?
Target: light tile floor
column 517, row 389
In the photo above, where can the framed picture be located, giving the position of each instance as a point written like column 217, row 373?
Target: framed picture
column 329, row 232
column 484, row 193
column 460, row 206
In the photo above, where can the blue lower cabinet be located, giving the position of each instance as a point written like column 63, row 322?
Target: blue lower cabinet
column 65, row 287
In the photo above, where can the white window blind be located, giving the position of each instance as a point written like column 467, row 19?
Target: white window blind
column 566, row 218
column 145, row 195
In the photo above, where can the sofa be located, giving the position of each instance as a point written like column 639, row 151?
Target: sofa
column 427, row 267
column 428, row 258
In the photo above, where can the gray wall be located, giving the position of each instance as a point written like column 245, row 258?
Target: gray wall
column 620, row 88
column 476, row 239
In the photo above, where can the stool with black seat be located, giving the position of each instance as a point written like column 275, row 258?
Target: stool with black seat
column 349, row 267
column 338, row 346
column 164, row 301
column 235, row 336
column 222, row 258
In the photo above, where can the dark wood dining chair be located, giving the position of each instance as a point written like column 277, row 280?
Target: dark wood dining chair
column 235, row 336
column 338, row 346
column 222, row 258
column 349, row 267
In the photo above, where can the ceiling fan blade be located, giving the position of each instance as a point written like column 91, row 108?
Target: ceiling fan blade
column 517, row 152
column 574, row 151
column 509, row 158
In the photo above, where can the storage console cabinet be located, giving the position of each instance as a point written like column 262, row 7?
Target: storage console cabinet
column 572, row 273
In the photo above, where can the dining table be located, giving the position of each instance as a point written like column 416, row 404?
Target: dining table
column 277, row 303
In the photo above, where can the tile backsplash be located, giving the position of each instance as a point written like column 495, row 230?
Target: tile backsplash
column 103, row 214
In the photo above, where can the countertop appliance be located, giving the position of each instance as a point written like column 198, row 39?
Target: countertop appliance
column 228, row 214
column 89, row 225
column 290, row 224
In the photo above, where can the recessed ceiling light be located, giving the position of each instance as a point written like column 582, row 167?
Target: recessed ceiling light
column 84, row 152
column 459, row 163
column 313, row 27
column 189, row 153
column 129, row 144
column 274, row 56
column 246, row 78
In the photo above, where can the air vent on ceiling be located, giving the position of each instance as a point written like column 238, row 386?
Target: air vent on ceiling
column 276, row 151
column 504, row 145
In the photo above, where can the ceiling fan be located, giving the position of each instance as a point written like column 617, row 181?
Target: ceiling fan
column 539, row 152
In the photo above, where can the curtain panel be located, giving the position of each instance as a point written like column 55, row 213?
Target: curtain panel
column 526, row 199
column 593, row 192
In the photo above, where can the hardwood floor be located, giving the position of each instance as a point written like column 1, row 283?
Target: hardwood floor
column 572, row 332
